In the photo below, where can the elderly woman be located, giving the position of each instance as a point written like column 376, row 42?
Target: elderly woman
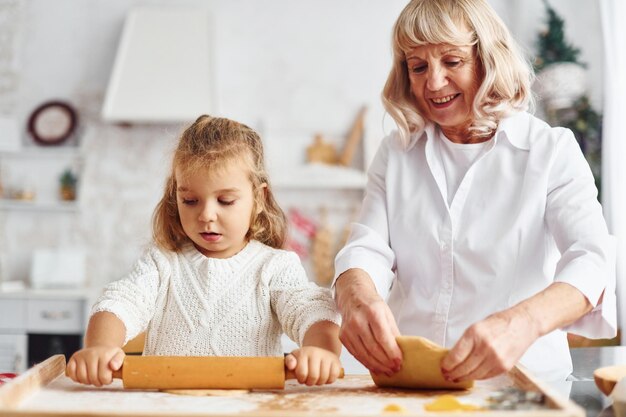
column 480, row 222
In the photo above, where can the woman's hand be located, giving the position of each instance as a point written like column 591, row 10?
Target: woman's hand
column 494, row 345
column 491, row 346
column 95, row 365
column 313, row 365
column 368, row 329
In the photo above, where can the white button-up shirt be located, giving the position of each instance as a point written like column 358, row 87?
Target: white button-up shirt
column 525, row 215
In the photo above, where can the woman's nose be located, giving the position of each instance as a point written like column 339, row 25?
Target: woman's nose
column 437, row 79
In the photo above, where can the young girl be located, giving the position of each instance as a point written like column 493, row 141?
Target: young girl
column 215, row 283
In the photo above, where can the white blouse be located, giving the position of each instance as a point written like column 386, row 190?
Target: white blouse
column 524, row 215
column 456, row 159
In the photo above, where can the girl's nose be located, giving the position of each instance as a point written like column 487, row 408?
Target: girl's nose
column 437, row 79
column 208, row 213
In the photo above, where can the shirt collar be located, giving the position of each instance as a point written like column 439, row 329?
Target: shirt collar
column 427, row 132
column 514, row 128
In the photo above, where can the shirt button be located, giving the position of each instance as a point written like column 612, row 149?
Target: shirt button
column 444, row 246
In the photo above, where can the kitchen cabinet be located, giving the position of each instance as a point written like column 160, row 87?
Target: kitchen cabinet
column 13, row 352
column 37, row 323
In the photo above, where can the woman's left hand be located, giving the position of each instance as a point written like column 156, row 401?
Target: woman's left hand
column 491, row 346
column 314, row 365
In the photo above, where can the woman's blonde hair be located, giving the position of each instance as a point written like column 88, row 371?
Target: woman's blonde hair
column 213, row 142
column 506, row 74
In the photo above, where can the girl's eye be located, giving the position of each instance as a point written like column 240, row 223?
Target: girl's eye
column 453, row 63
column 226, row 202
column 189, row 202
column 419, row 69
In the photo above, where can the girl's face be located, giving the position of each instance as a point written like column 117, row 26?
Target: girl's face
column 444, row 81
column 215, row 208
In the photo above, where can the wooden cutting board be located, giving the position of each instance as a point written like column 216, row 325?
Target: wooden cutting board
column 45, row 391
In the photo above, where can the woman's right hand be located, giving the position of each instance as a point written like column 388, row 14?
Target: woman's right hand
column 368, row 328
column 95, row 365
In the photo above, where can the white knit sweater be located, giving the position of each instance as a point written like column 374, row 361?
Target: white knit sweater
column 192, row 305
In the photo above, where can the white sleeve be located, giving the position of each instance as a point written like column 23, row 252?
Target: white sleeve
column 368, row 245
column 297, row 302
column 574, row 216
column 132, row 299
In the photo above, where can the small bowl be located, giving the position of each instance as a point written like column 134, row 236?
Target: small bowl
column 607, row 377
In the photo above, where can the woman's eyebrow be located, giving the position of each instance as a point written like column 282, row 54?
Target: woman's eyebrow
column 459, row 50
column 444, row 52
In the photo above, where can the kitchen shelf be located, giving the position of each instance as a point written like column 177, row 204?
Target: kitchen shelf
column 319, row 176
column 38, row 168
column 41, row 206
column 32, row 152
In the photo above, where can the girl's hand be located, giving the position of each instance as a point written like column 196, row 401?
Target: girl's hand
column 313, row 365
column 95, row 365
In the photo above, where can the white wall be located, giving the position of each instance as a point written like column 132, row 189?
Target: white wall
column 287, row 68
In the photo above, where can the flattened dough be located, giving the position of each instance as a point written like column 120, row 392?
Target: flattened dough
column 449, row 403
column 421, row 367
column 207, row 392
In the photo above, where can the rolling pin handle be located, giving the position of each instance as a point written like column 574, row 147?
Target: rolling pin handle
column 118, row 374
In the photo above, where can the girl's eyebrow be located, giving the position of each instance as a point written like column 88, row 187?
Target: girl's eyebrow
column 223, row 190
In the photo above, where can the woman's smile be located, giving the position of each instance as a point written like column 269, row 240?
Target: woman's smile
column 445, row 101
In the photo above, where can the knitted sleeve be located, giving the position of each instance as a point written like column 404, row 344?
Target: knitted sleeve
column 297, row 303
column 133, row 298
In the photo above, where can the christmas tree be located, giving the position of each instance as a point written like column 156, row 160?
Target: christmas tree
column 552, row 45
column 580, row 117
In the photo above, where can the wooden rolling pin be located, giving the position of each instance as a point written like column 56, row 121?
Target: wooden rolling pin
column 204, row 372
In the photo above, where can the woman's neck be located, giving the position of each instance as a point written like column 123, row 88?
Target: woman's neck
column 462, row 135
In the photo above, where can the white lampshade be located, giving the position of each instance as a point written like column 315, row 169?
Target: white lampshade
column 161, row 71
